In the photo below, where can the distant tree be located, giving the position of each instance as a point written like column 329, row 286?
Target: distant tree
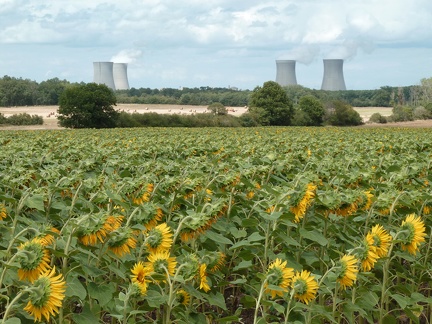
column 217, row 108
column 271, row 103
column 378, row 118
column 87, row 106
column 313, row 110
column 342, row 114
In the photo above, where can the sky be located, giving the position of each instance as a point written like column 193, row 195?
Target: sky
column 218, row 43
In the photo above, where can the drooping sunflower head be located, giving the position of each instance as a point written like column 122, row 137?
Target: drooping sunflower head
column 278, row 274
column 161, row 264
column 215, row 260
column 3, row 213
column 380, row 239
column 121, row 241
column 149, row 215
column 203, row 280
column 347, row 271
column 301, row 202
column 96, row 227
column 46, row 295
column 305, row 286
column 364, row 202
column 139, row 277
column 47, row 235
column 159, row 238
column 367, row 254
column 34, row 259
column 183, row 297
column 412, row 233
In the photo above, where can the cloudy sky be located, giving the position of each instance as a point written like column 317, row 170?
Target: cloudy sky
column 218, row 43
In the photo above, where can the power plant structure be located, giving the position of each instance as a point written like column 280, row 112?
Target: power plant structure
column 285, row 72
column 113, row 75
column 333, row 78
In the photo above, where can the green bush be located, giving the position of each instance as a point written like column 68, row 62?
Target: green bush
column 378, row 118
column 3, row 119
column 23, row 119
column 340, row 113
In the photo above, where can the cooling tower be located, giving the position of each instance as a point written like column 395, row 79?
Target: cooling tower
column 103, row 74
column 120, row 76
column 285, row 72
column 333, row 78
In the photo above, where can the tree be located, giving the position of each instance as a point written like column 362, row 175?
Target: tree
column 217, row 108
column 272, row 104
column 87, row 106
column 313, row 110
column 342, row 114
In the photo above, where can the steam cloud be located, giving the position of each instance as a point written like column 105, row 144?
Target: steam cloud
column 127, row 56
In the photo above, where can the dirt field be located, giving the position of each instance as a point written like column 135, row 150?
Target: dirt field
column 48, row 113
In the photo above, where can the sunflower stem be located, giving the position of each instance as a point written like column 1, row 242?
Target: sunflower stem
column 288, row 311
column 9, row 306
column 258, row 302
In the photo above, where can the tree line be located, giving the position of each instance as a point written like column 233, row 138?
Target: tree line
column 25, row 92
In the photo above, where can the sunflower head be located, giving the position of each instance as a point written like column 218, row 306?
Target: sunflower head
column 3, row 213
column 159, row 238
column 189, row 266
column 46, row 295
column 204, row 285
column 305, row 286
column 161, row 264
column 348, row 270
column 412, row 233
column 149, row 215
column 139, row 277
column 215, row 260
column 48, row 235
column 183, row 297
column 380, row 239
column 33, row 258
column 301, row 201
column 367, row 255
column 96, row 227
column 121, row 241
column 278, row 274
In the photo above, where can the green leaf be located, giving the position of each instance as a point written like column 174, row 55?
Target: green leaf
column 74, row 287
column 155, row 299
column 314, row 236
column 85, row 317
column 103, row 293
column 243, row 265
column 228, row 319
column 401, row 300
column 13, row 320
column 35, row 201
column 217, row 299
column 216, row 237
column 255, row 237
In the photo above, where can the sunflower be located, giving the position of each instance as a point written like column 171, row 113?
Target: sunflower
column 415, row 229
column 161, row 263
column 368, row 256
column 48, row 238
column 145, row 197
column 278, row 274
column 34, row 259
column 121, row 241
column 189, row 266
column 138, row 277
column 348, row 271
column 218, row 262
column 46, row 296
column 3, row 213
column 150, row 215
column 301, row 205
column 305, row 286
column 159, row 238
column 96, row 229
column 183, row 297
column 365, row 201
column 203, row 277
column 381, row 240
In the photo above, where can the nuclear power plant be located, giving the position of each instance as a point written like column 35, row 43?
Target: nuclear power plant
column 333, row 78
column 113, row 75
column 285, row 72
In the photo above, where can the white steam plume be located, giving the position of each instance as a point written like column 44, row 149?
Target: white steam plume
column 127, row 56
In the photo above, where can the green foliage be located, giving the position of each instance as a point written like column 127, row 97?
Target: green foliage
column 271, row 103
column 402, row 113
column 217, row 108
column 421, row 113
column 313, row 110
column 377, row 118
column 87, row 106
column 341, row 114
column 21, row 119
column 171, row 120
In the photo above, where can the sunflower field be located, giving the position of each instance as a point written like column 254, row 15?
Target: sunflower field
column 251, row 225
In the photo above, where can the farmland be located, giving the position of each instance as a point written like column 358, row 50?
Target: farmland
column 252, row 225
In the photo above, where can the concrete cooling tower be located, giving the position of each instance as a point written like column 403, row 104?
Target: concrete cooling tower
column 285, row 72
column 333, row 78
column 103, row 74
column 120, row 76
